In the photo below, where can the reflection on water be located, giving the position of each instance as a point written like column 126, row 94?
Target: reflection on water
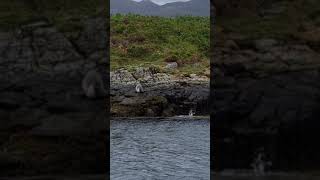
column 160, row 149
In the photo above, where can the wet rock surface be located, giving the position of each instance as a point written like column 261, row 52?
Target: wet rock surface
column 163, row 94
column 265, row 95
column 62, row 177
column 47, row 124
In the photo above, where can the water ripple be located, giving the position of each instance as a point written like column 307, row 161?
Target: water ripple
column 158, row 150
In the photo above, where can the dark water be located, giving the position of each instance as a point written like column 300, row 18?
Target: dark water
column 174, row 148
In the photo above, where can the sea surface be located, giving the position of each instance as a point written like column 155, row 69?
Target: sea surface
column 160, row 149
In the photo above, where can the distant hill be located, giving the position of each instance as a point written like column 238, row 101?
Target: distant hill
column 147, row 7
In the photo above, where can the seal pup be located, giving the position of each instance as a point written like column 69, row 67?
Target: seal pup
column 139, row 88
column 92, row 85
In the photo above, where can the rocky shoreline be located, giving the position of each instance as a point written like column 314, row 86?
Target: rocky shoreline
column 265, row 101
column 47, row 125
column 163, row 95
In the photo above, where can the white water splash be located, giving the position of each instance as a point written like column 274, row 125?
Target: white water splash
column 260, row 163
column 191, row 113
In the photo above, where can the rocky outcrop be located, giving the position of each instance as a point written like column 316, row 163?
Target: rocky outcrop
column 163, row 94
column 41, row 99
column 42, row 71
column 265, row 100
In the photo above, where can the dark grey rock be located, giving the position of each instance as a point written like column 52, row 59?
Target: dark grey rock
column 265, row 44
column 12, row 100
column 267, row 98
column 69, row 124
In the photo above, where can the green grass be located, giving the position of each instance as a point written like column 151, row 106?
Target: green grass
column 149, row 40
column 285, row 25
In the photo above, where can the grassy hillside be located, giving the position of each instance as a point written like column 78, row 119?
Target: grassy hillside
column 152, row 41
column 298, row 19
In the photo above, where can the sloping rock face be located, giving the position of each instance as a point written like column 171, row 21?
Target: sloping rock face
column 41, row 97
column 42, row 69
column 265, row 100
column 163, row 94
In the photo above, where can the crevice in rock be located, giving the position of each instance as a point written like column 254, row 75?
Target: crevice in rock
column 78, row 49
column 35, row 63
